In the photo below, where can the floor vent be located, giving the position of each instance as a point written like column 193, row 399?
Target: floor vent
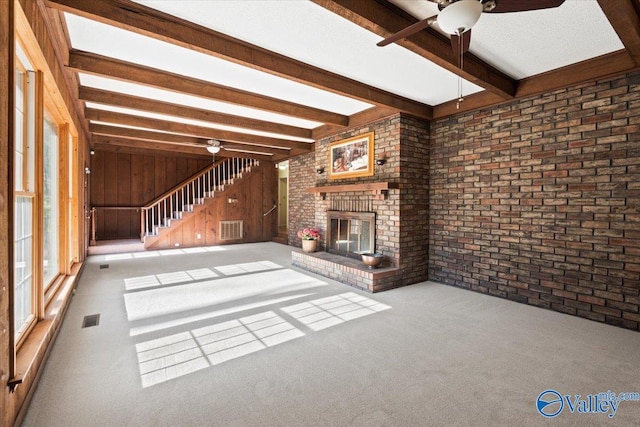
column 91, row 320
column 102, row 266
column 231, row 230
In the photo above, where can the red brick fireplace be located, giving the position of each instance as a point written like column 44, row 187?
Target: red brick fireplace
column 396, row 197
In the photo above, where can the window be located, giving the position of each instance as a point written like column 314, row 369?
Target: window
column 21, row 119
column 24, row 179
column 51, row 208
column 23, row 255
column 72, row 220
column 44, row 224
column 46, row 203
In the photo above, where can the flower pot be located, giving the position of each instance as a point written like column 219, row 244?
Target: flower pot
column 372, row 260
column 309, row 245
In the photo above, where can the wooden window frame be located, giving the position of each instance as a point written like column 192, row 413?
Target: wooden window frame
column 47, row 97
column 26, row 328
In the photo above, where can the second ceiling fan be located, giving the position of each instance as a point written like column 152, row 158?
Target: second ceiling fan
column 456, row 18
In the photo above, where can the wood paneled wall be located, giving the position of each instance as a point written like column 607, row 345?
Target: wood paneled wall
column 133, row 180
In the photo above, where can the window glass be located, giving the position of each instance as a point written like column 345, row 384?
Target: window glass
column 19, row 132
column 23, row 206
column 71, row 241
column 23, row 268
column 51, row 264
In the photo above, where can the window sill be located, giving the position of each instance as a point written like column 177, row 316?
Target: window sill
column 34, row 349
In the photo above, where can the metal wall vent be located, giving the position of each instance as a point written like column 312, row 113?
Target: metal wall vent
column 102, row 266
column 231, row 230
column 91, row 320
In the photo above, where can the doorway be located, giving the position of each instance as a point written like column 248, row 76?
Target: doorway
column 283, row 197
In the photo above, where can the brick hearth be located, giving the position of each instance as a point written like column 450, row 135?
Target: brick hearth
column 350, row 271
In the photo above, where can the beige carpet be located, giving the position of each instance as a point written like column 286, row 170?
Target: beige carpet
column 234, row 336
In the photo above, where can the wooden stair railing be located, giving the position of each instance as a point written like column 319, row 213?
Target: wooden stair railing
column 183, row 197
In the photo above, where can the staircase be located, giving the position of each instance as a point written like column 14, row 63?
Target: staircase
column 183, row 199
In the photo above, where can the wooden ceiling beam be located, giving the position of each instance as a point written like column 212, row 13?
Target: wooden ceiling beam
column 145, row 151
column 92, row 63
column 471, row 102
column 384, row 19
column 193, row 130
column 608, row 65
column 110, row 143
column 170, row 138
column 144, row 135
column 149, row 22
column 356, row 120
column 603, row 66
column 144, row 104
column 256, row 149
column 624, row 19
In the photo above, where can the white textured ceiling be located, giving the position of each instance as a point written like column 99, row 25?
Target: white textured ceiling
column 95, row 37
column 524, row 44
column 309, row 33
column 519, row 44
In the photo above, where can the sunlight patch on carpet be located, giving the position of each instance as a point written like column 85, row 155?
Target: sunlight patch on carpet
column 179, row 354
column 323, row 313
column 176, row 355
column 145, row 329
column 168, row 300
column 150, row 281
column 165, row 252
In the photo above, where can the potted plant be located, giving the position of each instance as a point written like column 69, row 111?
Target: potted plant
column 309, row 238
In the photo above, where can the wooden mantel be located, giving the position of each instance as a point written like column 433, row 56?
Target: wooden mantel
column 378, row 189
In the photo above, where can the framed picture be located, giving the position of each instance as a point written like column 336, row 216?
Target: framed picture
column 351, row 157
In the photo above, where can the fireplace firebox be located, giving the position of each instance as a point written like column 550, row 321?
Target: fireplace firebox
column 351, row 233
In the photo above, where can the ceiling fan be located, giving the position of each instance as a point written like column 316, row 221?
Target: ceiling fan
column 214, row 146
column 456, row 18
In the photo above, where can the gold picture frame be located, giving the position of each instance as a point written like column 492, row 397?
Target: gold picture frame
column 351, row 157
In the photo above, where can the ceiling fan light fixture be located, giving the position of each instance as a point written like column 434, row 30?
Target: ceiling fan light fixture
column 213, row 146
column 460, row 16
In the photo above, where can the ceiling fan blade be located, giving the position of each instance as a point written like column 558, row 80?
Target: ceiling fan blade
column 456, row 45
column 504, row 6
column 411, row 29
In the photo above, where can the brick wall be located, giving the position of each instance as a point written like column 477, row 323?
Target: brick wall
column 414, row 199
column 538, row 201
column 302, row 171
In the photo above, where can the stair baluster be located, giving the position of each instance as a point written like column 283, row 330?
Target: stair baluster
column 185, row 196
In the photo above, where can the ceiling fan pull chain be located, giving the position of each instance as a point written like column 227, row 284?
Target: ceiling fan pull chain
column 460, row 98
